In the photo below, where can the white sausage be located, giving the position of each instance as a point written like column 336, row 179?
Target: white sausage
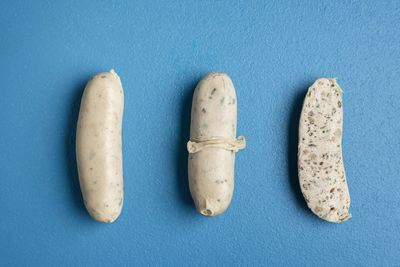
column 321, row 171
column 212, row 144
column 98, row 146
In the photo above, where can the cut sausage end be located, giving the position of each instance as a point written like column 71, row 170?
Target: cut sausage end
column 114, row 74
column 211, row 208
column 106, row 220
column 348, row 216
column 110, row 76
column 340, row 220
column 207, row 212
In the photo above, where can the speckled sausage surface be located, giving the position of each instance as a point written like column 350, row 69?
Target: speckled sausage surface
column 98, row 146
column 321, row 171
column 212, row 144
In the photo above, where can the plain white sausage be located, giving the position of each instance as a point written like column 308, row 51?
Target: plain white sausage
column 98, row 146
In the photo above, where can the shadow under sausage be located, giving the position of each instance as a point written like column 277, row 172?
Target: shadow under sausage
column 293, row 140
column 182, row 154
column 70, row 154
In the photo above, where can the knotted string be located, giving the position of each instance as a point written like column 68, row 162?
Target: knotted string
column 196, row 145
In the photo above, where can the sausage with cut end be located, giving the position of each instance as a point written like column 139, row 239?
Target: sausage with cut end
column 320, row 164
column 213, row 144
column 98, row 146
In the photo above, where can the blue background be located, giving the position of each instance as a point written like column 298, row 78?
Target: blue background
column 273, row 51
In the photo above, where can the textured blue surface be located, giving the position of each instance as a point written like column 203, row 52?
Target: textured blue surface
column 273, row 50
